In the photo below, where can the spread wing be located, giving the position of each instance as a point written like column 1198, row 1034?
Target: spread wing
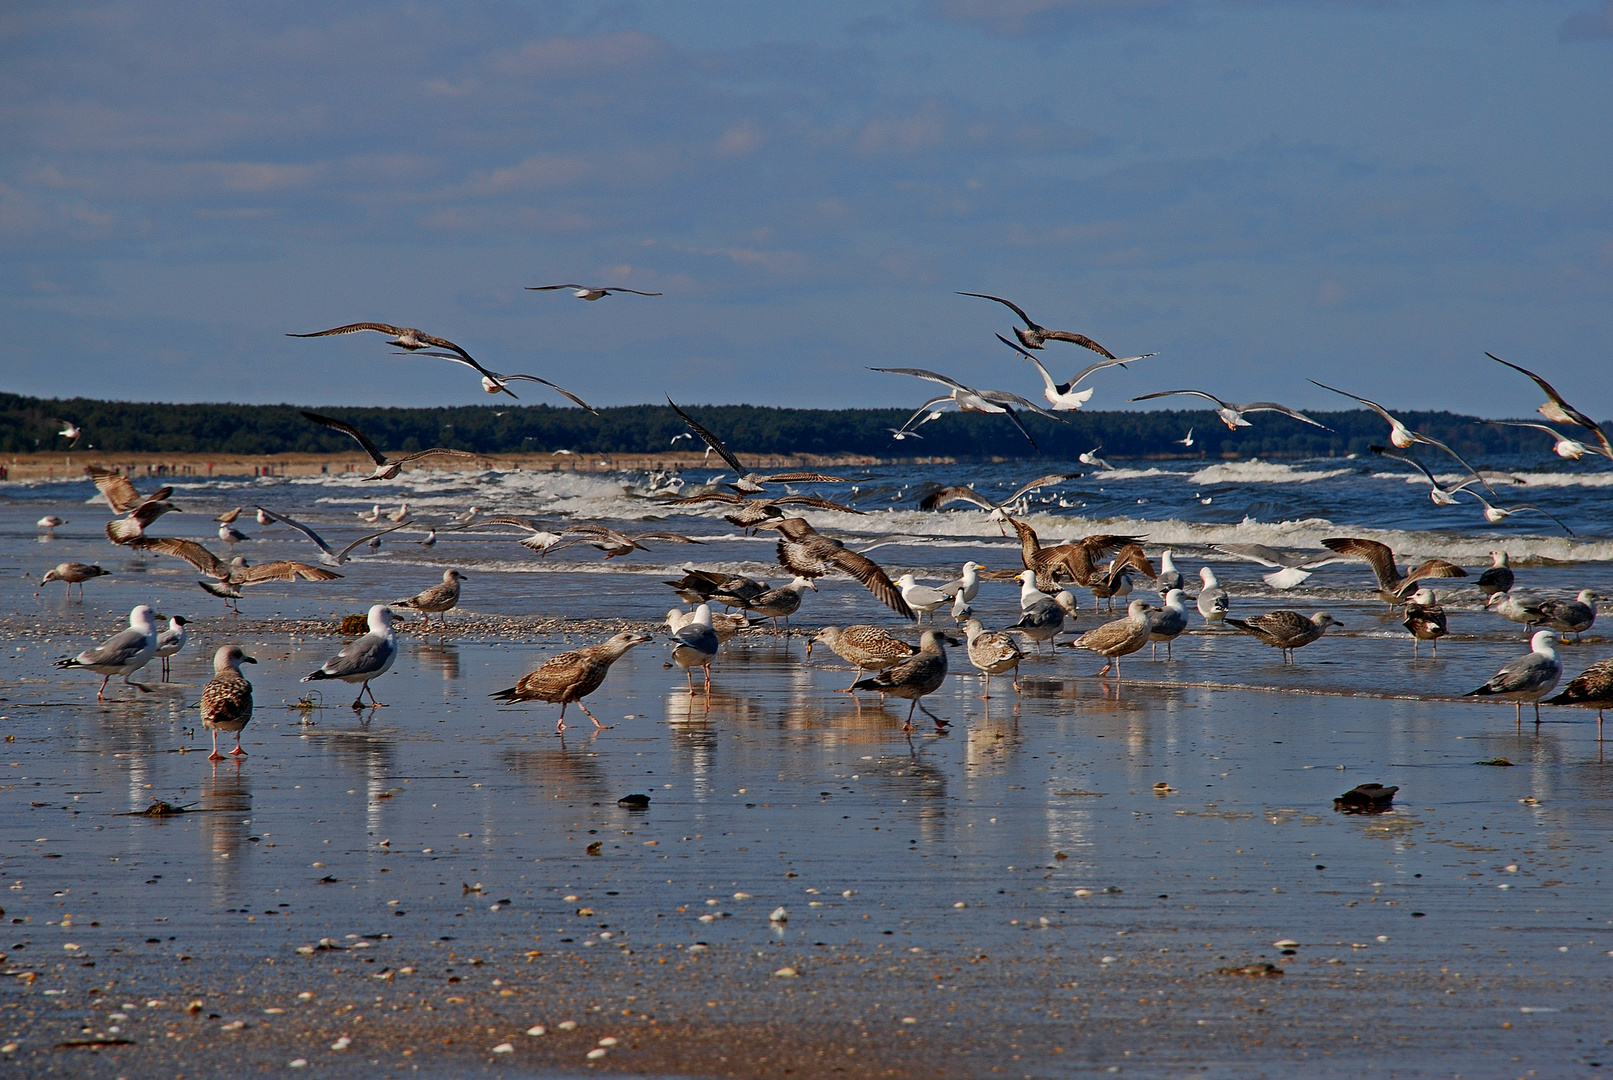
column 1041, row 481
column 872, row 578
column 804, row 478
column 674, row 537
column 1171, row 393
column 349, row 430
column 937, row 499
column 1005, row 399
column 1081, row 340
column 284, row 570
column 1272, row 406
column 191, row 552
column 556, row 387
column 116, row 487
column 635, row 292
column 921, row 373
column 355, row 328
column 1568, row 410
column 709, row 439
column 341, row 556
column 816, row 501
column 1377, row 555
column 435, row 451
column 300, row 527
column 1373, row 405
column 1015, row 308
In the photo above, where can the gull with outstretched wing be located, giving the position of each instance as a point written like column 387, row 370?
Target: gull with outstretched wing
column 385, row 468
column 1033, row 336
column 1064, row 396
column 1231, row 413
column 407, row 337
column 329, row 557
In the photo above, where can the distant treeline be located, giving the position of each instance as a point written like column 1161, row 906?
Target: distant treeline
column 31, row 424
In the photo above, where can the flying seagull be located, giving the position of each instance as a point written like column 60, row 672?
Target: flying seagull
column 589, row 292
column 1496, row 514
column 805, row 552
column 329, row 557
column 1231, row 414
column 385, row 468
column 1033, row 336
column 1438, row 493
column 1559, row 411
column 406, row 337
column 968, row 399
column 1563, row 446
column 749, row 482
column 1064, row 396
column 1392, row 587
column 229, row 577
column 494, row 382
column 998, row 510
column 1401, row 436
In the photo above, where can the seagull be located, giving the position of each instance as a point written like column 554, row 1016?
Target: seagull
column 1169, row 577
column 430, row 540
column 50, row 521
column 1286, row 630
column 968, row 399
column 1437, row 492
column 1213, row 600
column 1507, row 606
column 917, row 676
column 1391, row 586
column 140, row 510
column 867, row 648
column 231, row 535
column 1559, row 411
column 1074, row 560
column 782, row 602
column 589, row 292
column 1120, row 638
column 1426, row 621
column 1499, row 577
column 943, row 496
column 227, row 698
column 1231, row 414
column 74, row 573
column 540, row 540
column 902, row 433
column 1571, row 616
column 1572, row 449
column 1528, row 678
column 399, row 514
column 1289, row 570
column 1169, row 624
column 124, row 653
column 171, row 641
column 750, row 513
column 264, row 519
column 1497, row 514
column 1091, row 458
column 805, row 551
column 702, row 586
column 1064, row 396
column 1033, row 336
column 1591, row 689
column 1188, row 441
column 749, row 482
column 369, row 657
column 966, row 584
column 682, row 435
column 370, row 516
column 1400, row 436
column 328, row 556
column 229, row 516
column 229, row 577
column 495, row 382
column 694, row 645
column 411, row 339
column 992, row 653
column 572, row 676
column 921, row 598
column 439, row 598
column 1041, row 618
column 71, row 432
column 385, row 468
column 613, row 543
column 465, row 517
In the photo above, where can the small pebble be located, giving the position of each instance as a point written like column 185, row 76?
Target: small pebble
column 786, row 973
column 504, row 1048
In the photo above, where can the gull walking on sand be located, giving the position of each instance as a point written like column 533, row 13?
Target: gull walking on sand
column 1169, row 624
column 124, row 653
column 1559, row 411
column 440, row 599
column 866, row 648
column 1426, row 621
column 1213, row 600
column 589, row 292
column 385, row 468
column 227, row 699
column 919, row 675
column 1063, row 396
column 171, row 641
column 1590, row 689
column 1286, row 630
column 572, row 676
column 992, row 652
column 1119, row 638
column 368, row 658
column 1231, row 414
column 1034, row 336
column 1528, row 678
column 694, row 645
column 73, row 573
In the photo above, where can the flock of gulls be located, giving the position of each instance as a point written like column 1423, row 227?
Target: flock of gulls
column 886, row 662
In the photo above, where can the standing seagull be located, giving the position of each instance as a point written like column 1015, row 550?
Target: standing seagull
column 1499, row 577
column 921, row 598
column 1169, row 624
column 1426, row 621
column 1571, row 616
column 1120, row 638
column 1392, row 587
column 589, row 292
column 1559, row 411
column 694, row 645
column 1033, row 336
column 385, row 468
column 171, row 641
column 917, row 676
column 1231, row 414
column 1041, row 618
column 868, row 648
column 74, row 573
column 439, row 598
column 405, row 337
column 124, row 653
column 1286, row 630
column 231, row 535
column 1063, row 396
column 992, row 653
column 227, row 699
column 369, row 657
column 1528, row 678
column 1591, row 689
column 1213, row 600
column 572, row 676
column 1169, row 577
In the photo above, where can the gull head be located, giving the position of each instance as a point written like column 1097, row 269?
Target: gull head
column 1544, row 642
column 381, row 619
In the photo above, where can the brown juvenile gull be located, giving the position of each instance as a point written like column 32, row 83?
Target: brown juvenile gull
column 1231, row 413
column 539, row 539
column 229, row 516
column 589, row 292
column 131, row 528
column 992, row 652
column 749, row 513
column 914, row 678
column 804, row 551
column 700, row 586
column 1559, row 411
column 124, row 653
column 1392, row 587
column 385, row 468
column 780, row 603
column 119, row 493
column 229, row 577
column 227, row 698
column 1286, row 630
column 868, row 648
column 750, row 482
column 997, row 511
column 1033, row 336
column 1426, row 621
column 1528, row 678
column 613, row 543
column 439, row 598
column 406, row 337
column 74, row 573
column 1119, row 638
column 573, row 675
column 1073, row 560
column 1590, row 689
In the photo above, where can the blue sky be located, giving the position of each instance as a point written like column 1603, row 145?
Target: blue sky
column 1369, row 193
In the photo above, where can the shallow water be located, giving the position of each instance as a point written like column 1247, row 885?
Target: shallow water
column 1464, row 933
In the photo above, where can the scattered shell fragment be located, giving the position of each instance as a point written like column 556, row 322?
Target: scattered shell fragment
column 567, row 1025
column 596, row 1053
column 786, row 973
column 537, row 1029
column 779, row 914
column 504, row 1048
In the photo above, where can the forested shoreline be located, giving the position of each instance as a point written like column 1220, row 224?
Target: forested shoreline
column 30, row 424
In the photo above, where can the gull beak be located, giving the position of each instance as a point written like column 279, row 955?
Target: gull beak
column 248, row 660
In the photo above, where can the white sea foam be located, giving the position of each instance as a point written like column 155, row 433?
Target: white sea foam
column 1255, row 471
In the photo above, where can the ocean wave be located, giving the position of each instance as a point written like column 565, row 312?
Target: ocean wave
column 1255, row 471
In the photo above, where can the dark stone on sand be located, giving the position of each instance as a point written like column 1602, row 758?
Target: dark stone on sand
column 1366, row 799
column 1253, row 971
column 1499, row 761
column 634, row 802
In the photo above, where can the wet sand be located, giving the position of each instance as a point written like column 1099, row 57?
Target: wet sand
column 1013, row 897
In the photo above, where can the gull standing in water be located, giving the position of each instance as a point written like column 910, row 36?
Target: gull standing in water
column 1120, row 638
column 49, row 522
column 74, row 573
column 368, row 658
column 1426, row 621
column 921, row 598
column 1504, row 605
column 782, row 602
column 1033, row 336
column 694, row 645
column 1169, row 624
column 1528, row 678
column 1499, row 577
column 231, row 535
column 1041, row 618
column 1169, row 577
column 385, row 468
column 413, row 340
column 227, row 698
column 992, row 653
column 968, row 399
column 1063, row 396
column 919, row 675
column 1213, row 600
column 572, row 676
column 1231, row 414
column 867, row 648
column 589, row 292
column 1571, row 616
column 1286, row 630
column 1590, row 689
column 1559, row 411
column 124, row 653
column 171, row 641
